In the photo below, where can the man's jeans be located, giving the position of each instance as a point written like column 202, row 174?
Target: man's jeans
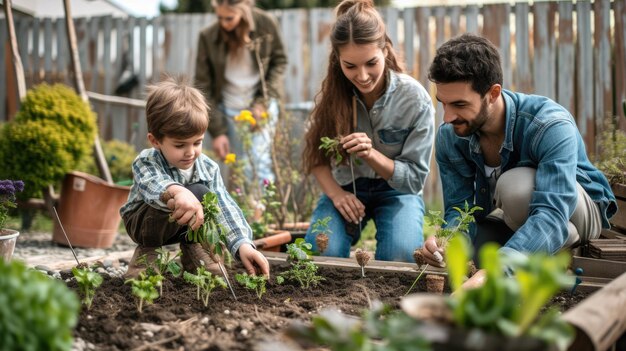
column 398, row 217
column 512, row 197
column 261, row 150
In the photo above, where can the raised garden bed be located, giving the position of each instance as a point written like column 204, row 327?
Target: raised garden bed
column 179, row 321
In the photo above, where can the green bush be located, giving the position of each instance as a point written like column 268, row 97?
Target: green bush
column 51, row 133
column 119, row 156
column 36, row 312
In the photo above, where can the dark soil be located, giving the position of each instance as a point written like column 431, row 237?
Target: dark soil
column 177, row 321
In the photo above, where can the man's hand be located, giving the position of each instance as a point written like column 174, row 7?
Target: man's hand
column 432, row 253
column 254, row 261
column 476, row 281
column 221, row 146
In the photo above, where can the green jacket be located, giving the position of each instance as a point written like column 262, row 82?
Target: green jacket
column 211, row 65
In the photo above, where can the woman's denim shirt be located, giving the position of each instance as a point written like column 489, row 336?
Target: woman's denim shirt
column 540, row 134
column 401, row 126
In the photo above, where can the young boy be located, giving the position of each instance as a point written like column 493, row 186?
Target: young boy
column 170, row 180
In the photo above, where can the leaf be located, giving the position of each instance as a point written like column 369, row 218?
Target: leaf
column 458, row 253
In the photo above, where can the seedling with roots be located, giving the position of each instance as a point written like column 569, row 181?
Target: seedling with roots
column 443, row 235
column 302, row 269
column 362, row 258
column 320, row 227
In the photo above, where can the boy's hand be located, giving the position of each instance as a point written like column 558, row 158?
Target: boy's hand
column 432, row 253
column 254, row 261
column 187, row 210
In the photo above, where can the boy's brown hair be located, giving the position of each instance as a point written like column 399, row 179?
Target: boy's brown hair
column 176, row 109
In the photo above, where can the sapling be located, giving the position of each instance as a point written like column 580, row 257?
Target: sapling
column 443, row 235
column 144, row 288
column 302, row 269
column 165, row 263
column 253, row 282
column 320, row 227
column 88, row 281
column 205, row 282
column 362, row 258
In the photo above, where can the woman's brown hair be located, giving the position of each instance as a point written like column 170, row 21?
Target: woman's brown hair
column 240, row 36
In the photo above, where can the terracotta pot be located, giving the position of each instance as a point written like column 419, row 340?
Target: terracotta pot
column 8, row 237
column 435, row 283
column 89, row 211
column 273, row 241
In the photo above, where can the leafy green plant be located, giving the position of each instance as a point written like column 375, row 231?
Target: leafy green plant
column 505, row 305
column 205, row 283
column 302, row 270
column 88, row 281
column 332, row 148
column 379, row 329
column 36, row 312
column 50, row 135
column 443, row 235
column 165, row 263
column 253, row 282
column 144, row 288
column 210, row 234
column 119, row 156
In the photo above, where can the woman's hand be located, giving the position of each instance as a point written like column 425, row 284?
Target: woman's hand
column 357, row 143
column 350, row 207
column 221, row 146
column 433, row 255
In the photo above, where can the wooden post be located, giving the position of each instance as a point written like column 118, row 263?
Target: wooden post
column 98, row 154
column 17, row 61
column 599, row 319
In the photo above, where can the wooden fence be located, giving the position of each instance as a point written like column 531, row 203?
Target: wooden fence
column 571, row 52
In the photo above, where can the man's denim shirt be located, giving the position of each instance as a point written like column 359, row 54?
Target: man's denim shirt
column 539, row 134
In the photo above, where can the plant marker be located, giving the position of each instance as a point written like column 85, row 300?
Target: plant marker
column 354, row 123
column 66, row 238
column 219, row 263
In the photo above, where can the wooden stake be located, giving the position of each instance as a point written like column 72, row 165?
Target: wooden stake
column 15, row 54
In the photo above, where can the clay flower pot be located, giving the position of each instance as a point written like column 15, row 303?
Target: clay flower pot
column 8, row 237
column 435, row 283
column 273, row 241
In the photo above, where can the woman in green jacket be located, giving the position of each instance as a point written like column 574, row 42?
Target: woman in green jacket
column 240, row 66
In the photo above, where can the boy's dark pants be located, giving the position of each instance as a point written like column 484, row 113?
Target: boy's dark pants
column 150, row 227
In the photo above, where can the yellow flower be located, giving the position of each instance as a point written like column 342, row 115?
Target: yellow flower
column 264, row 115
column 230, row 159
column 246, row 116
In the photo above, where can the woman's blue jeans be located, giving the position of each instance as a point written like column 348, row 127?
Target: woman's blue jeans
column 398, row 217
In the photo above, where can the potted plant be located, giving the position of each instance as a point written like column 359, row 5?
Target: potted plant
column 52, row 133
column 8, row 237
column 611, row 160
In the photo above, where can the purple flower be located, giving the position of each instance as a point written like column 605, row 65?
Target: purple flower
column 266, row 182
column 10, row 187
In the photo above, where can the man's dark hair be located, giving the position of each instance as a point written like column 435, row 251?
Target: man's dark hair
column 467, row 58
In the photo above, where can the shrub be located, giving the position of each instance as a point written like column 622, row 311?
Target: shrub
column 36, row 312
column 119, row 156
column 52, row 132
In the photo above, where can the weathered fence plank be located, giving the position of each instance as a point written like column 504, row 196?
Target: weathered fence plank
column 584, row 63
column 497, row 30
column 603, row 83
column 543, row 42
column 408, row 49
column 619, row 14
column 3, row 63
column 320, row 24
column 523, row 77
column 565, row 57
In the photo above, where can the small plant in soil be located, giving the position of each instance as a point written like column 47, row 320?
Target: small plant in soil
column 320, row 227
column 205, row 282
column 166, row 263
column 362, row 258
column 88, row 281
column 302, row 269
column 144, row 287
column 253, row 282
column 443, row 235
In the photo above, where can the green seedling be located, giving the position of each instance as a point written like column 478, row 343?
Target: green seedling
column 332, row 149
column 443, row 235
column 145, row 288
column 302, row 269
column 510, row 305
column 88, row 281
column 320, row 227
column 205, row 282
column 253, row 282
column 211, row 235
column 165, row 263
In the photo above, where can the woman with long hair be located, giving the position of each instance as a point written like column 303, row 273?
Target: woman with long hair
column 383, row 121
